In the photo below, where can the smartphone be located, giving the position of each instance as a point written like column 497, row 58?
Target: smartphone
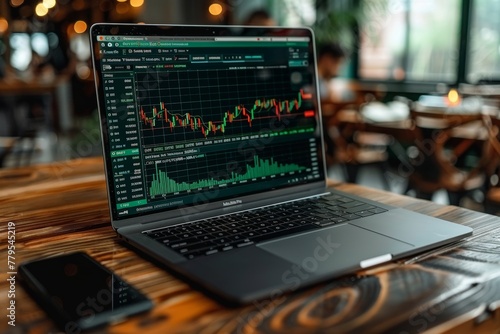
column 79, row 293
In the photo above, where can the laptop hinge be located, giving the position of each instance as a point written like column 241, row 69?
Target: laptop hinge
column 212, row 213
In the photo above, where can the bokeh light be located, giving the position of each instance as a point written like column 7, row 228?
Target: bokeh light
column 80, row 27
column 122, row 7
column 215, row 9
column 136, row 3
column 41, row 10
column 453, row 97
column 49, row 3
column 16, row 3
column 4, row 25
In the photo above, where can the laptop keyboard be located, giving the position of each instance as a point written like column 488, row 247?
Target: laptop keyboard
column 224, row 233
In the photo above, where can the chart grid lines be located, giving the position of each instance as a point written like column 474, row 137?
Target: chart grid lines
column 191, row 101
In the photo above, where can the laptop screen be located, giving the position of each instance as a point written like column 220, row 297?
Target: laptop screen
column 191, row 114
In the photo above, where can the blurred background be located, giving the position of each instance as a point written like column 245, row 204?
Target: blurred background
column 394, row 55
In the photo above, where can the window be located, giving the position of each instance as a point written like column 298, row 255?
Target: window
column 484, row 42
column 382, row 36
column 434, row 40
column 410, row 40
column 287, row 13
column 294, row 12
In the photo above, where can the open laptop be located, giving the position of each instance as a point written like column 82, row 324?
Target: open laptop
column 214, row 162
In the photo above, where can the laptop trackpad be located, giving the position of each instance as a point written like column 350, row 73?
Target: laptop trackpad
column 338, row 249
column 412, row 227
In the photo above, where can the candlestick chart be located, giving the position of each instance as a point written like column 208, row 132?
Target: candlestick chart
column 261, row 109
column 193, row 105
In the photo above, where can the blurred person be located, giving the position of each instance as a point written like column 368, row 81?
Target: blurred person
column 259, row 17
column 330, row 59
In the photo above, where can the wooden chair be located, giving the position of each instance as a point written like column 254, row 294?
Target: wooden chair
column 351, row 146
column 17, row 143
column 348, row 144
column 447, row 153
column 492, row 196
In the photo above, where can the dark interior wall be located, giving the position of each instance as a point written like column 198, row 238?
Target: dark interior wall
column 178, row 12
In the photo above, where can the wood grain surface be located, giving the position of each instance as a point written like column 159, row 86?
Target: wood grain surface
column 62, row 207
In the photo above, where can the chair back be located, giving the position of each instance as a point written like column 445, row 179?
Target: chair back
column 448, row 151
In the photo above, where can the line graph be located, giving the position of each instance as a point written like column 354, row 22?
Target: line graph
column 261, row 108
column 183, row 105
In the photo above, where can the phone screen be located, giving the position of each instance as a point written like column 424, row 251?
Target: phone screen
column 80, row 292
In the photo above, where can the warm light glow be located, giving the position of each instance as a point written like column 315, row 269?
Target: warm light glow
column 4, row 25
column 49, row 3
column 83, row 71
column 41, row 10
column 70, row 30
column 16, row 3
column 122, row 7
column 80, row 27
column 136, row 3
column 453, row 97
column 215, row 9
column 121, row 0
column 78, row 4
column 105, row 6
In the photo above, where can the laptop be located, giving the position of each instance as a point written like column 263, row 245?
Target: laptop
column 215, row 164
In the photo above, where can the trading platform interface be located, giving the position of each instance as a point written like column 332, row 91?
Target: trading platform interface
column 223, row 117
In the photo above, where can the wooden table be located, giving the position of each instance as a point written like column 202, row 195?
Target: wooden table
column 62, row 207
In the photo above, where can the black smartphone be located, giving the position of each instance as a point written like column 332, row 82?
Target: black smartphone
column 79, row 293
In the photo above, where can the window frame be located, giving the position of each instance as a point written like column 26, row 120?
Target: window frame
column 462, row 66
